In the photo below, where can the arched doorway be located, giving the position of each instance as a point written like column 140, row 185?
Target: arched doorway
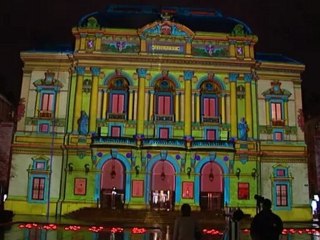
column 162, row 185
column 211, row 187
column 112, row 184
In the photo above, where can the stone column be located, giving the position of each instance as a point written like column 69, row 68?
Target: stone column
column 197, row 99
column 233, row 104
column 142, row 73
column 78, row 97
column 130, row 110
column 187, row 102
column 105, row 104
column 223, row 108
column 176, row 107
column 151, row 102
column 267, row 112
column 248, row 99
column 94, row 99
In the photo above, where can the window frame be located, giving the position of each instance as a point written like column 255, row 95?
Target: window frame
column 283, row 179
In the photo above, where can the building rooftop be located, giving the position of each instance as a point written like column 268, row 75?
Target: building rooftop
column 137, row 16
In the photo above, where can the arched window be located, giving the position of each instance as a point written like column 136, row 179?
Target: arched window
column 210, row 102
column 164, row 92
column 118, row 99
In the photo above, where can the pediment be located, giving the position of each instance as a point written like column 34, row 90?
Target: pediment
column 165, row 28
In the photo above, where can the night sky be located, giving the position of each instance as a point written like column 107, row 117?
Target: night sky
column 288, row 27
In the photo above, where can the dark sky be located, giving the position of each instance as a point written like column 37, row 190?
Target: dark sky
column 289, row 27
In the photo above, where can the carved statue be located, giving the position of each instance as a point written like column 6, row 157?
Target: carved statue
column 243, row 130
column 83, row 123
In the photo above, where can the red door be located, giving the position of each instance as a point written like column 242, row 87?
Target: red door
column 211, row 189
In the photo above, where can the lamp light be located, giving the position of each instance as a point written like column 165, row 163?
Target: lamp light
column 211, row 176
column 238, row 172
column 162, row 175
column 189, row 172
column 254, row 173
column 113, row 170
column 70, row 167
column 137, row 168
column 87, row 168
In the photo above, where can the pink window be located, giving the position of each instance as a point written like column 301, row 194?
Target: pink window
column 44, row 128
column 211, row 134
column 280, row 172
column 38, row 188
column 115, row 131
column 209, row 107
column 164, row 103
column 40, row 165
column 278, row 136
column 117, row 103
column 243, row 191
column 47, row 102
column 276, row 111
column 164, row 133
column 282, row 194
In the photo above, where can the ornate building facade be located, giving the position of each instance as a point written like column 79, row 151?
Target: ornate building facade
column 158, row 107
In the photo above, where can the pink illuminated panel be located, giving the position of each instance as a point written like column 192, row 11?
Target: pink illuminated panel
column 164, row 103
column 47, row 102
column 38, row 188
column 117, row 103
column 209, row 107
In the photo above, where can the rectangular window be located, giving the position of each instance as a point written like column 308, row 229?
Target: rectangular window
column 40, row 165
column 117, row 103
column 280, row 173
column 164, row 105
column 44, row 128
column 38, row 185
column 209, row 107
column 211, row 134
column 278, row 136
column 47, row 102
column 282, row 195
column 243, row 191
column 276, row 111
column 164, row 133
column 115, row 131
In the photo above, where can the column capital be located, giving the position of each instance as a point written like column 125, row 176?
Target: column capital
column 188, row 75
column 142, row 72
column 80, row 70
column 248, row 77
column 95, row 71
column 233, row 77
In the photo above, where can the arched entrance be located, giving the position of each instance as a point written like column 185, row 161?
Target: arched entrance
column 112, row 184
column 211, row 187
column 162, row 185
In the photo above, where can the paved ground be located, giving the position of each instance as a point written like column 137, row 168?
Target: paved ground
column 152, row 219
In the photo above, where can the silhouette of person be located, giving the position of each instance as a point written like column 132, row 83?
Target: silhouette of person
column 266, row 225
column 185, row 226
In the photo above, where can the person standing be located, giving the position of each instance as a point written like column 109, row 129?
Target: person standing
column 266, row 225
column 185, row 226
